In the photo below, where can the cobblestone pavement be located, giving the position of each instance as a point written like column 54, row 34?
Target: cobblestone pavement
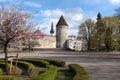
column 100, row 65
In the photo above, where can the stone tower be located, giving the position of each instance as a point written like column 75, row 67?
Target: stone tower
column 61, row 33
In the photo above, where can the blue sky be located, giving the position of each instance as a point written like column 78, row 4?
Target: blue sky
column 74, row 11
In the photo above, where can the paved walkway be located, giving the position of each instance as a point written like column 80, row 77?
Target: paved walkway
column 100, row 66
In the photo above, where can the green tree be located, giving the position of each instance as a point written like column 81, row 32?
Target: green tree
column 117, row 35
column 86, row 31
column 110, row 32
column 98, row 34
column 117, row 15
column 99, row 16
column 106, row 33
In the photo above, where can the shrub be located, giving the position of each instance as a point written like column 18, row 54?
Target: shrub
column 2, row 64
column 2, row 60
column 58, row 63
column 25, row 49
column 1, row 72
column 36, row 62
column 80, row 73
column 28, row 66
column 50, row 74
column 7, row 77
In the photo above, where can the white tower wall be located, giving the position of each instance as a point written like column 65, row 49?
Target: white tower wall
column 61, row 36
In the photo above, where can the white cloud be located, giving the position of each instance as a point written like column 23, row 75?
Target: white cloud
column 12, row 2
column 32, row 4
column 115, row 1
column 73, row 16
column 51, row 13
column 16, row 2
column 2, row 1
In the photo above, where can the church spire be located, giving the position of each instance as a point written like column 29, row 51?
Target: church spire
column 52, row 30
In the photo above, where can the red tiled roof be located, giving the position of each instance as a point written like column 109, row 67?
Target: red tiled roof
column 71, row 36
column 40, row 34
column 37, row 34
column 62, row 22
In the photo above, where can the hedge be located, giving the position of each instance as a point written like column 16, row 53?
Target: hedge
column 1, row 71
column 2, row 66
column 80, row 73
column 7, row 77
column 2, row 60
column 58, row 63
column 36, row 62
column 50, row 74
column 28, row 66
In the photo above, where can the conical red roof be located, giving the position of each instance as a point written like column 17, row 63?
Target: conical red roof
column 62, row 22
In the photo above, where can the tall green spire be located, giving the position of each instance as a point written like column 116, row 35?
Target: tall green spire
column 99, row 16
column 52, row 30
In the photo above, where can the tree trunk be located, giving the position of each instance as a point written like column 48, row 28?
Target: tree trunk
column 6, row 59
column 107, row 47
column 99, row 45
column 29, row 48
column 88, row 48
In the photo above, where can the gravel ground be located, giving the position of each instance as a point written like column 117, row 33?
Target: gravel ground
column 99, row 65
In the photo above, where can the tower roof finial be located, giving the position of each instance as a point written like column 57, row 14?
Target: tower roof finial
column 62, row 21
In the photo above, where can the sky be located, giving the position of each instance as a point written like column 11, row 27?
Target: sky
column 75, row 12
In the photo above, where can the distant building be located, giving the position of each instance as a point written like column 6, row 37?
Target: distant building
column 77, row 45
column 42, row 40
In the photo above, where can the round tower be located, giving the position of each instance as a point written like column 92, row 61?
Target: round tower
column 61, row 33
